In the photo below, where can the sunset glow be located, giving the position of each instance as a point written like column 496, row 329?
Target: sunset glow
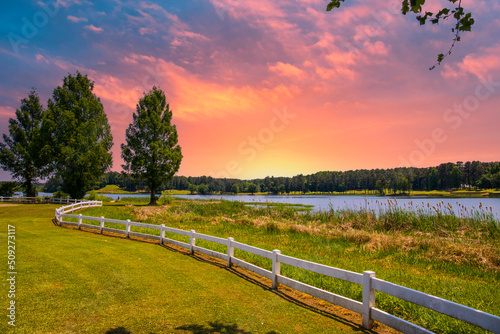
column 270, row 87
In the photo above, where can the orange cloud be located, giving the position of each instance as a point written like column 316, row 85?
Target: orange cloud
column 286, row 70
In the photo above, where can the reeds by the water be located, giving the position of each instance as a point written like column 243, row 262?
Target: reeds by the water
column 440, row 218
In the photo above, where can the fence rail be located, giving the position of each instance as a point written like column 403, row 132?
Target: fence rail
column 367, row 280
column 23, row 199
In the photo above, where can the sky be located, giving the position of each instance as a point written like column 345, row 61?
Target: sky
column 270, row 87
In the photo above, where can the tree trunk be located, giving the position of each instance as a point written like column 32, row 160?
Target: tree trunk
column 29, row 189
column 152, row 201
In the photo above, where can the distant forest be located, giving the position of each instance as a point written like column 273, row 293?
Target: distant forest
column 446, row 176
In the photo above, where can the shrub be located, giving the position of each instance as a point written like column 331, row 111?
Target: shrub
column 60, row 194
column 94, row 196
column 165, row 198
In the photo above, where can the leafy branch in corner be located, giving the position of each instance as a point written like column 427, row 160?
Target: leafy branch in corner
column 464, row 20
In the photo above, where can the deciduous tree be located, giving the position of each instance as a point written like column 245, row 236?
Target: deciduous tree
column 152, row 152
column 24, row 152
column 81, row 136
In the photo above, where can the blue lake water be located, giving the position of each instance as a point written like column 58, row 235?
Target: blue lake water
column 322, row 203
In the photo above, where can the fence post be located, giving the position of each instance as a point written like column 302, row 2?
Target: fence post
column 102, row 223
column 79, row 221
column 368, row 298
column 128, row 229
column 276, row 268
column 162, row 233
column 230, row 251
column 192, row 241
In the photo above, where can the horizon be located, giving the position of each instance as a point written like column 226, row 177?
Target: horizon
column 290, row 176
column 266, row 88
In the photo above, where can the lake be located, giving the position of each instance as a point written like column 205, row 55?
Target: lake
column 321, row 203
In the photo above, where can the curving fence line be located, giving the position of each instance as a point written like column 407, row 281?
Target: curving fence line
column 367, row 308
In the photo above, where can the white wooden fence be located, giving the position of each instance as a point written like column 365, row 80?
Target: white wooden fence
column 367, row 308
column 43, row 200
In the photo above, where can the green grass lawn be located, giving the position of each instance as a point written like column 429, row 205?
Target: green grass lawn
column 113, row 189
column 71, row 281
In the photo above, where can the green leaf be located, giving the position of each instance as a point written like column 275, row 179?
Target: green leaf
column 333, row 4
column 405, row 7
column 416, row 6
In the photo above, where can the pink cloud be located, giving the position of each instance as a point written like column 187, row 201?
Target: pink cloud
column 76, row 19
column 377, row 48
column 93, row 28
column 480, row 64
column 145, row 30
column 41, row 58
column 6, row 111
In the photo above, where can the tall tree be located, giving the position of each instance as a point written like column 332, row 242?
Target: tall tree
column 23, row 152
column 78, row 126
column 433, row 179
column 455, row 177
column 152, row 153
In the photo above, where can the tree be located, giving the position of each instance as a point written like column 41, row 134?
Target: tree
column 253, row 188
column 484, row 182
column 203, row 189
column 235, row 189
column 381, row 185
column 464, row 21
column 433, row 179
column 495, row 180
column 152, row 153
column 81, row 136
column 7, row 189
column 455, row 177
column 23, row 152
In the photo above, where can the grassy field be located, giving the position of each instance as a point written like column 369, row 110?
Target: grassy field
column 70, row 281
column 114, row 189
column 456, row 258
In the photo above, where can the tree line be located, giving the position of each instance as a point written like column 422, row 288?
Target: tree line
column 447, row 176
column 469, row 175
column 69, row 142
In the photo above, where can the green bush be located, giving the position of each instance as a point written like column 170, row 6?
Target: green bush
column 165, row 199
column 60, row 194
column 94, row 196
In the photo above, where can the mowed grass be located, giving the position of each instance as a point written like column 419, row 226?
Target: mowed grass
column 70, row 281
column 457, row 259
